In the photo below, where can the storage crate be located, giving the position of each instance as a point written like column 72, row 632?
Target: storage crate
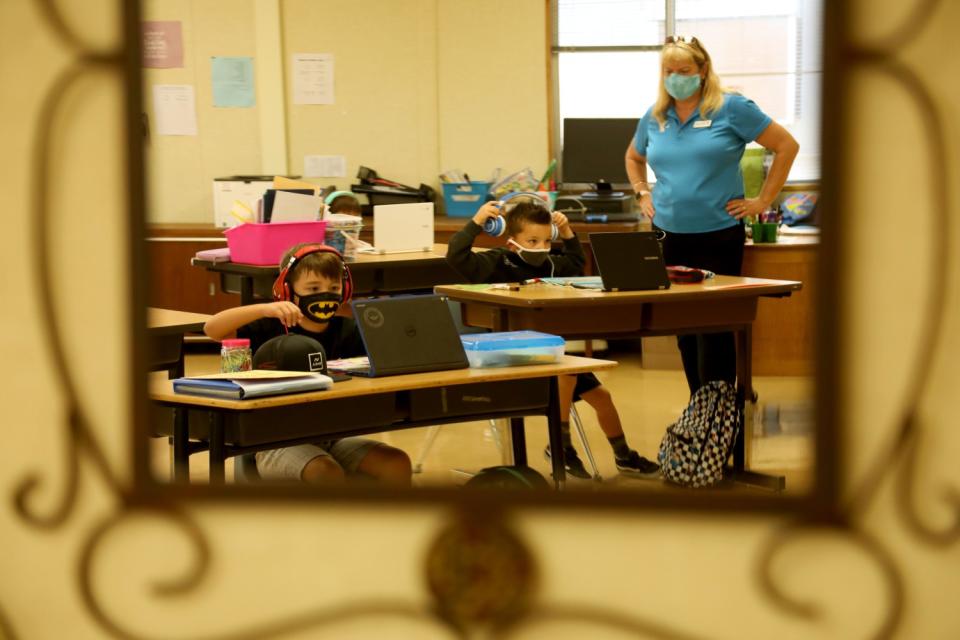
column 462, row 199
column 510, row 348
column 265, row 244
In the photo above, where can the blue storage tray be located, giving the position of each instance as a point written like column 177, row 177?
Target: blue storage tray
column 512, row 348
column 510, row 340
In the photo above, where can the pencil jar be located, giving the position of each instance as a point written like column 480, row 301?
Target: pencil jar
column 343, row 233
column 764, row 232
column 235, row 355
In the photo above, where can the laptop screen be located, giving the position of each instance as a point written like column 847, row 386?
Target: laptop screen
column 408, row 334
column 403, row 227
column 629, row 261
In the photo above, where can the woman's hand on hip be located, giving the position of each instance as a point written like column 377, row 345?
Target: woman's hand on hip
column 746, row 208
column 646, row 206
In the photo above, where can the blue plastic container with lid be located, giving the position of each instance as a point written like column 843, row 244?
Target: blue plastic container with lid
column 511, row 348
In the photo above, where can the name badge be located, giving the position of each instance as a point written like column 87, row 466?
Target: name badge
column 702, row 124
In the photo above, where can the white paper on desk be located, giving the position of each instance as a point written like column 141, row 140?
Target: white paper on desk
column 325, row 166
column 313, row 78
column 295, row 207
column 175, row 111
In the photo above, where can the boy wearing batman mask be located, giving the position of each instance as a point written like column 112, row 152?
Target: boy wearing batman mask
column 314, row 283
column 527, row 256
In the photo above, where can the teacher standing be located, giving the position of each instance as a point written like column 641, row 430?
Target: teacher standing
column 693, row 138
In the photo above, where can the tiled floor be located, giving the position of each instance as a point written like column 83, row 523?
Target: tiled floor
column 647, row 400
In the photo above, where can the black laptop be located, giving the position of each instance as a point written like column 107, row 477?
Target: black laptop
column 630, row 261
column 408, row 334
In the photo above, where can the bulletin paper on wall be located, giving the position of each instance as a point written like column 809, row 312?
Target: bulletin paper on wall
column 313, row 78
column 175, row 111
column 325, row 166
column 162, row 44
column 232, row 80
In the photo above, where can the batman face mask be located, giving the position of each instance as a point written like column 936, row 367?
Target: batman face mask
column 319, row 307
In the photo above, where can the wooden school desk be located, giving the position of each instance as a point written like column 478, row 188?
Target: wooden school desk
column 366, row 405
column 723, row 303
column 373, row 274
column 166, row 328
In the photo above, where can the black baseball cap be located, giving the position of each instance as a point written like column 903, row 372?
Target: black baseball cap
column 291, row 352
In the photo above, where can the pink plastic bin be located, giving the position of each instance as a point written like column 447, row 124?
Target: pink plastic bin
column 265, row 244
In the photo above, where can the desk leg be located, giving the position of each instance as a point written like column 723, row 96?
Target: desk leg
column 246, row 290
column 178, row 369
column 556, row 440
column 181, row 451
column 743, row 369
column 745, row 337
column 745, row 401
column 217, row 448
column 501, row 320
column 518, row 439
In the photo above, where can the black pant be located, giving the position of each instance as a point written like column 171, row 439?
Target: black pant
column 708, row 356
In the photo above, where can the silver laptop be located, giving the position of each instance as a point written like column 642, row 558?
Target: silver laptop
column 401, row 228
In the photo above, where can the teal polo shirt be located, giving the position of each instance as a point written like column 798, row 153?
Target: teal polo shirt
column 697, row 164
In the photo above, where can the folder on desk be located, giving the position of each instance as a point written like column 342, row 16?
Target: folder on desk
column 295, row 207
column 220, row 254
column 252, row 384
column 269, row 199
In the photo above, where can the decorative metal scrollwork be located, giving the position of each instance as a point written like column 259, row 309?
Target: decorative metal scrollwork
column 480, row 573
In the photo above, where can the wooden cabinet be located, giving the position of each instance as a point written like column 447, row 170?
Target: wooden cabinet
column 174, row 283
column 783, row 334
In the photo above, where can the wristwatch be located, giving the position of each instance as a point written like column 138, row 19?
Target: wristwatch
column 641, row 193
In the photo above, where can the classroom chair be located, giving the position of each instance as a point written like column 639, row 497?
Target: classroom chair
column 432, row 433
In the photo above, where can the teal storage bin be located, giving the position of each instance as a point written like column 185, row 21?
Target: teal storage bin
column 462, row 199
column 511, row 348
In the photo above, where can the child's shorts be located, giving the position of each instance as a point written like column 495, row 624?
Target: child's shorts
column 585, row 382
column 288, row 463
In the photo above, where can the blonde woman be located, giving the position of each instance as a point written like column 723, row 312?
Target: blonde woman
column 693, row 139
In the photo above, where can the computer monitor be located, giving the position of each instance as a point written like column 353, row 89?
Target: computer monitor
column 593, row 151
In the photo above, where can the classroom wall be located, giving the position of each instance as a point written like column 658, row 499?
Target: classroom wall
column 181, row 169
column 421, row 86
column 694, row 575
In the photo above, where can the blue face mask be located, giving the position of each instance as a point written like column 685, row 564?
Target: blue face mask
column 681, row 87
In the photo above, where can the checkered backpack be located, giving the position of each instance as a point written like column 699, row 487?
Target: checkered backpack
column 695, row 448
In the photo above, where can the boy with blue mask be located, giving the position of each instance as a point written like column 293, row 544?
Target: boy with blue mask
column 527, row 255
column 314, row 282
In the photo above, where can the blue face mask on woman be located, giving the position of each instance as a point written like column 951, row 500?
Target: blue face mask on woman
column 680, row 86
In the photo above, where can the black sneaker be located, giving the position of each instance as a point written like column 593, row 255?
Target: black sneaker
column 571, row 463
column 636, row 465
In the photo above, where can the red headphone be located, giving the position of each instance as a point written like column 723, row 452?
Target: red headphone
column 281, row 288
